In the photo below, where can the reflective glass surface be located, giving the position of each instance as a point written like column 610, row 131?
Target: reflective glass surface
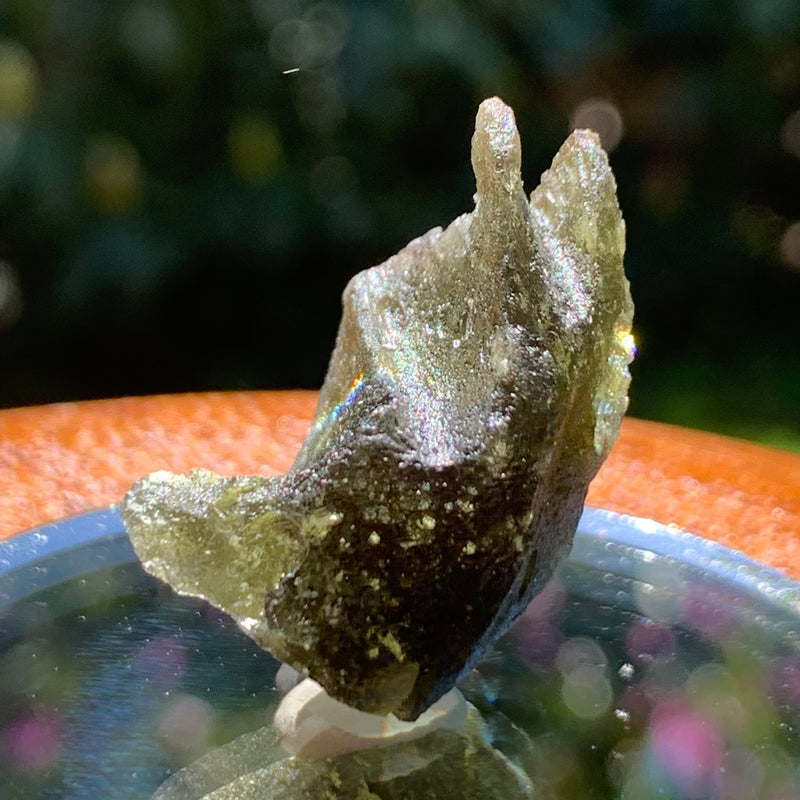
column 655, row 665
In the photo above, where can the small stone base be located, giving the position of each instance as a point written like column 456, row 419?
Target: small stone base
column 311, row 724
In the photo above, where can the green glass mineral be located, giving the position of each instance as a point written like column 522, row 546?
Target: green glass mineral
column 477, row 384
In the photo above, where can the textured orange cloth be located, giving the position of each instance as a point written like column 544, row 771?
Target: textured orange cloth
column 63, row 459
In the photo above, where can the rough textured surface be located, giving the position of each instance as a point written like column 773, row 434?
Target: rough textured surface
column 477, row 384
column 441, row 764
column 62, row 459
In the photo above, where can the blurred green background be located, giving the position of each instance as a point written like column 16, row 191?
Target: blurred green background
column 186, row 186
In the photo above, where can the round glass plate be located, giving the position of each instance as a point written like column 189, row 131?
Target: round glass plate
column 655, row 665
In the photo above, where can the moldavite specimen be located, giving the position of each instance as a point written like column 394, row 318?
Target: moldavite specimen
column 477, row 384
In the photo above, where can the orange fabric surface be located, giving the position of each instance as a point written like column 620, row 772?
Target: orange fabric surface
column 63, row 459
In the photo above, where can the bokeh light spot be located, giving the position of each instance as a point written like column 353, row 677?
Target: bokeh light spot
column 790, row 246
column 586, row 692
column 331, row 25
column 687, row 748
column 112, row 174
column 309, row 41
column 292, row 44
column 186, row 723
column 603, row 117
column 151, row 33
column 254, row 148
column 548, row 603
column 33, row 742
column 580, row 651
column 719, row 696
column 790, row 134
column 538, row 642
column 162, row 661
column 19, row 81
column 647, row 641
column 585, row 688
column 10, row 296
column 742, row 774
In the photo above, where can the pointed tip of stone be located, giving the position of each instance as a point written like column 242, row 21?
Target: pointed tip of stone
column 496, row 147
column 590, row 151
column 586, row 138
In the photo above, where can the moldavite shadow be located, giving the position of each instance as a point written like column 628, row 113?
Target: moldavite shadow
column 478, row 382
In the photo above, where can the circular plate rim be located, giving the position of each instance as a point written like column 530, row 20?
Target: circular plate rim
column 79, row 544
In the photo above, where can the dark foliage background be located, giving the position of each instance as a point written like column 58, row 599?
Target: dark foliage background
column 185, row 187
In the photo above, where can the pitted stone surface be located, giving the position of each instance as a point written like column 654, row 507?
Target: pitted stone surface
column 477, row 384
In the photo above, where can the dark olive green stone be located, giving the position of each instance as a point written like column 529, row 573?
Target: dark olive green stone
column 477, row 384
